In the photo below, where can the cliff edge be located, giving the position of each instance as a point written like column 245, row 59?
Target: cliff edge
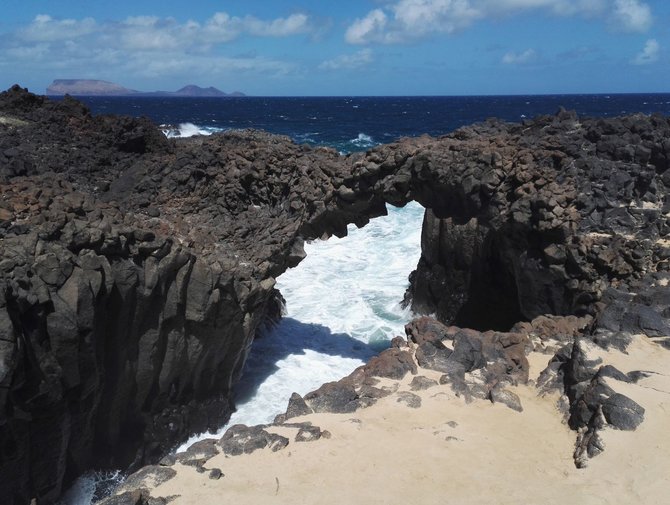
column 136, row 269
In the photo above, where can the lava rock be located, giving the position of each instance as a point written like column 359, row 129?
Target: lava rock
column 621, row 412
column 241, row 439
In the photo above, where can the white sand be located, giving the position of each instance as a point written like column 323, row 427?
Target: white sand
column 450, row 452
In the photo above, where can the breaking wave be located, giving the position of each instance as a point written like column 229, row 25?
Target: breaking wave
column 184, row 130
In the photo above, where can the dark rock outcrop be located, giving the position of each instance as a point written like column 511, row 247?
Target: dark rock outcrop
column 544, row 218
column 136, row 269
column 241, row 439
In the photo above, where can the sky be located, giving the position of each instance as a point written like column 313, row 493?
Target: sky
column 342, row 47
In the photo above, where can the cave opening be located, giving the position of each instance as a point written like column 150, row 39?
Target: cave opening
column 466, row 275
column 344, row 301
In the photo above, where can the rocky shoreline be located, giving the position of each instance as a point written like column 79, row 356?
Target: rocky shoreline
column 402, row 419
column 136, row 271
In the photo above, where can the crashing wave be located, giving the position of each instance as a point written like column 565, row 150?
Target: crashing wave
column 363, row 140
column 184, row 130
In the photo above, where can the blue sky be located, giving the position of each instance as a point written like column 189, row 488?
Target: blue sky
column 344, row 47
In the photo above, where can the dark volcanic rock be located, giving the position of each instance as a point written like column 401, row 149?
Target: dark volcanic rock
column 339, row 397
column 426, row 330
column 308, row 433
column 198, row 453
column 436, row 358
column 391, row 364
column 410, row 399
column 134, row 490
column 136, row 269
column 420, row 383
column 296, row 407
column 506, row 397
column 241, row 439
column 622, row 412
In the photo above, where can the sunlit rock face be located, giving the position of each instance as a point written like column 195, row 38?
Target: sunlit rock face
column 137, row 269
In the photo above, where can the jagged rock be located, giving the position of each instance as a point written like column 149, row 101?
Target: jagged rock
column 198, row 453
column 134, row 497
column 337, row 397
column 215, row 474
column 296, row 408
column 241, row 439
column 622, row 412
column 147, row 477
column 436, row 358
column 134, row 327
column 552, row 332
column 614, row 373
column 426, row 330
column 392, row 364
column 308, row 433
column 421, row 383
column 506, row 397
column 409, row 399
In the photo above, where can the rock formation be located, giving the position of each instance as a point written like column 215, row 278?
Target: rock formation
column 137, row 269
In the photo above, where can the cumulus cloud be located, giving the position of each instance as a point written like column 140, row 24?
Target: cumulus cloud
column 152, row 32
column 281, row 27
column 527, row 56
column 44, row 28
column 412, row 19
column 649, row 53
column 404, row 20
column 631, row 16
column 145, row 45
column 348, row 61
column 368, row 29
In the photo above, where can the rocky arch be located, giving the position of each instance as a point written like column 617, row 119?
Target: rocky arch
column 144, row 266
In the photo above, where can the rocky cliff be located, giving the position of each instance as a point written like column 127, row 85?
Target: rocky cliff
column 137, row 269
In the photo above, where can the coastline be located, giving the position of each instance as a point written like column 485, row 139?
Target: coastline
column 448, row 450
column 135, row 280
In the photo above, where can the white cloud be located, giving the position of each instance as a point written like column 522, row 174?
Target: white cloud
column 649, row 53
column 425, row 16
column 404, row 20
column 154, row 33
column 145, row 45
column 631, row 16
column 368, row 29
column 281, row 27
column 213, row 67
column 348, row 61
column 44, row 28
column 527, row 56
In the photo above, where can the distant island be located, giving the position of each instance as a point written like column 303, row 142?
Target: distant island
column 93, row 87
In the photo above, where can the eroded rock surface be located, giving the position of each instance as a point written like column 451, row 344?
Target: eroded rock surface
column 136, row 270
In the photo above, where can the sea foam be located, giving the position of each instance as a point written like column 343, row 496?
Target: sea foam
column 343, row 306
column 188, row 130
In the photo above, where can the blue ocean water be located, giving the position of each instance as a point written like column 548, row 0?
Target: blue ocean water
column 343, row 299
column 357, row 123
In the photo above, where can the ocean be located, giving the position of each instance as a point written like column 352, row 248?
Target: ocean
column 342, row 300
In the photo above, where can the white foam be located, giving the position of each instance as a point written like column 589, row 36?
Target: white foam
column 188, row 130
column 82, row 492
column 363, row 139
column 342, row 307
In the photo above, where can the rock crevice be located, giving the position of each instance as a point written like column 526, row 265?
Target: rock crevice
column 137, row 269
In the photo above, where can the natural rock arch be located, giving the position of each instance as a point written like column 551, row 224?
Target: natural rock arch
column 136, row 269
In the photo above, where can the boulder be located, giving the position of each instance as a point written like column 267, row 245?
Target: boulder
column 241, row 439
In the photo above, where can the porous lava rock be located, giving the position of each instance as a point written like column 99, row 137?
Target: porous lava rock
column 137, row 270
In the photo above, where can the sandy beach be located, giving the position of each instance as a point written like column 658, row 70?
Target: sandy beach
column 448, row 451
